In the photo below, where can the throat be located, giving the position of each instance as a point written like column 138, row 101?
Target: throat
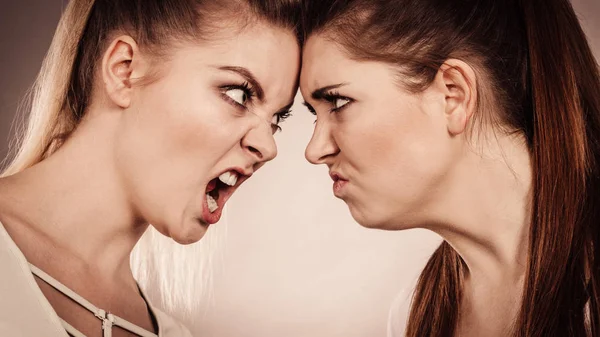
column 489, row 309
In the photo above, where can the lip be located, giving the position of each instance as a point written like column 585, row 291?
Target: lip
column 339, row 183
column 224, row 194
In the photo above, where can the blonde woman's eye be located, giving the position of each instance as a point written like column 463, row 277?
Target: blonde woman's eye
column 237, row 95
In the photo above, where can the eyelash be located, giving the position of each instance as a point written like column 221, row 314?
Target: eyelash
column 330, row 97
column 248, row 91
column 281, row 117
column 310, row 108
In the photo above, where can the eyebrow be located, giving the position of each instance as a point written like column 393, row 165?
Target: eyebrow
column 320, row 93
column 248, row 76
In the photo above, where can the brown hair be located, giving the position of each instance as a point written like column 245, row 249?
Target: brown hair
column 544, row 83
column 63, row 88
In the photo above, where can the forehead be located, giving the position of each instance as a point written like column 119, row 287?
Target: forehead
column 325, row 62
column 322, row 62
column 270, row 53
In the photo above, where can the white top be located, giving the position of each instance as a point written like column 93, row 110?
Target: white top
column 399, row 311
column 25, row 311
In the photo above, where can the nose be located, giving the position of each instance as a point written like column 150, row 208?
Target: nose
column 260, row 143
column 322, row 145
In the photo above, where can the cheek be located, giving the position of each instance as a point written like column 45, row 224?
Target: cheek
column 181, row 132
column 401, row 158
column 168, row 147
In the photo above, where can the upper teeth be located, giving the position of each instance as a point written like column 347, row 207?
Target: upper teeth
column 229, row 178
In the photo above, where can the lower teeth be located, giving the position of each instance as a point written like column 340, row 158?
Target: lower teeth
column 212, row 203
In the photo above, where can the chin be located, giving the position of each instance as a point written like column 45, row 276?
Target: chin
column 188, row 240
column 189, row 232
column 365, row 218
column 376, row 219
column 194, row 233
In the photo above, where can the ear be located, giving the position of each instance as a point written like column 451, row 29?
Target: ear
column 121, row 64
column 460, row 88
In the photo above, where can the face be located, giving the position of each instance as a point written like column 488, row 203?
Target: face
column 388, row 151
column 191, row 137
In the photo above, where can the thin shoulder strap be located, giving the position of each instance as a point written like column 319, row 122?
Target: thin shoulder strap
column 70, row 329
column 108, row 319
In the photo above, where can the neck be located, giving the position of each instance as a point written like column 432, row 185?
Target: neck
column 485, row 214
column 74, row 200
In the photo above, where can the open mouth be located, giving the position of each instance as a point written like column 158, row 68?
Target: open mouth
column 218, row 191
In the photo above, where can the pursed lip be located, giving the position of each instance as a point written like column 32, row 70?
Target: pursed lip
column 336, row 176
column 339, row 182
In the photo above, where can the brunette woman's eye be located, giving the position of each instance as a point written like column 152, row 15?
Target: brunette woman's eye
column 338, row 103
column 279, row 118
column 310, row 108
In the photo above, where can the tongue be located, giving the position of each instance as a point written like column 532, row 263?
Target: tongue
column 211, row 186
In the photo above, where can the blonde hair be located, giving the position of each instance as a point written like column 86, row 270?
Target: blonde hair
column 62, row 92
column 182, row 274
column 46, row 117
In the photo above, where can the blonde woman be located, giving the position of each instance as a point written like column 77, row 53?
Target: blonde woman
column 145, row 112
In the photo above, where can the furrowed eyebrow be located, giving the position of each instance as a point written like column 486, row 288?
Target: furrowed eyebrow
column 320, row 93
column 248, row 76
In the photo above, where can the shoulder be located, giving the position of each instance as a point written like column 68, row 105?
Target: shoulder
column 169, row 326
column 14, row 283
column 23, row 309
